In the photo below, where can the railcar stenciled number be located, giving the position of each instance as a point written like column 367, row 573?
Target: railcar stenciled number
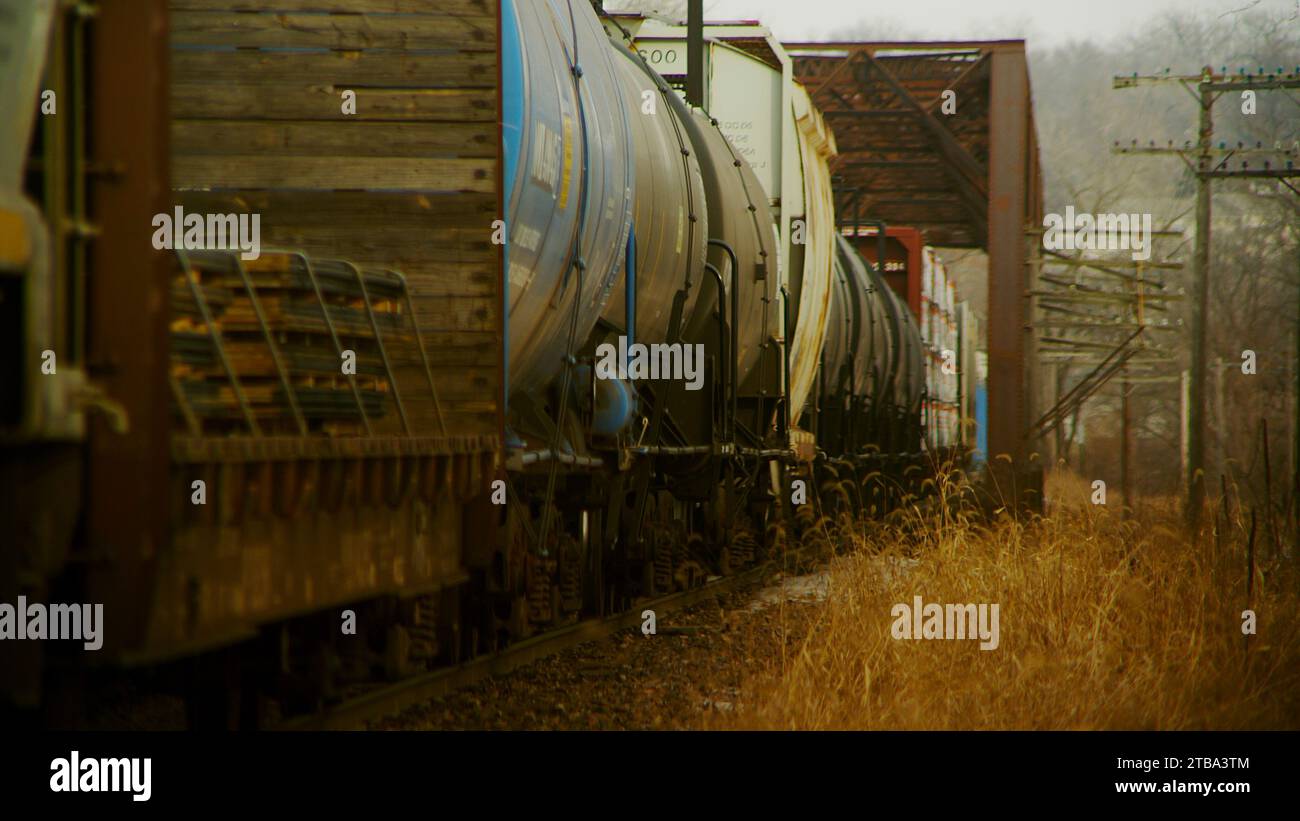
column 656, row 56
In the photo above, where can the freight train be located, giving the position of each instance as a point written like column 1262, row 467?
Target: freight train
column 416, row 410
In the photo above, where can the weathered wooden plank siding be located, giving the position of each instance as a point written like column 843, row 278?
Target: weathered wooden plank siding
column 408, row 182
column 306, row 98
column 433, row 175
column 346, row 138
column 443, row 8
column 335, row 31
column 339, row 69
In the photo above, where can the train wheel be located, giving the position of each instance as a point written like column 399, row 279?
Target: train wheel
column 447, row 628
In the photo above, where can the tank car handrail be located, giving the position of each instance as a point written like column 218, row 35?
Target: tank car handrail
column 727, row 433
column 734, row 364
column 201, row 303
column 289, row 391
column 785, row 346
column 379, row 342
column 419, row 342
column 329, row 323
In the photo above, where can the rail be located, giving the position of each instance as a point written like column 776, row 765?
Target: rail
column 391, row 699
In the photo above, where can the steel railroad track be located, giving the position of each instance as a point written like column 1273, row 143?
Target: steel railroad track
column 389, row 699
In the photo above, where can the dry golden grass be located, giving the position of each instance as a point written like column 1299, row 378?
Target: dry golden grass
column 1104, row 624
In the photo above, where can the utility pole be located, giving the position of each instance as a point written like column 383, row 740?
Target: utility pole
column 1209, row 87
column 1220, row 415
column 1200, row 309
column 1125, row 446
column 1184, row 393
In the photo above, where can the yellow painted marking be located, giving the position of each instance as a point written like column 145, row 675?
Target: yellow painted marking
column 568, row 162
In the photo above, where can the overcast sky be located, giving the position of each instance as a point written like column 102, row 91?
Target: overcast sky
column 1042, row 22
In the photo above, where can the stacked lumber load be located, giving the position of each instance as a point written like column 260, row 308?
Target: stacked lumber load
column 192, row 347
column 364, row 130
column 290, row 346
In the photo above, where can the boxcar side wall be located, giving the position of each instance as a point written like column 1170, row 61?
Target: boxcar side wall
column 365, row 139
